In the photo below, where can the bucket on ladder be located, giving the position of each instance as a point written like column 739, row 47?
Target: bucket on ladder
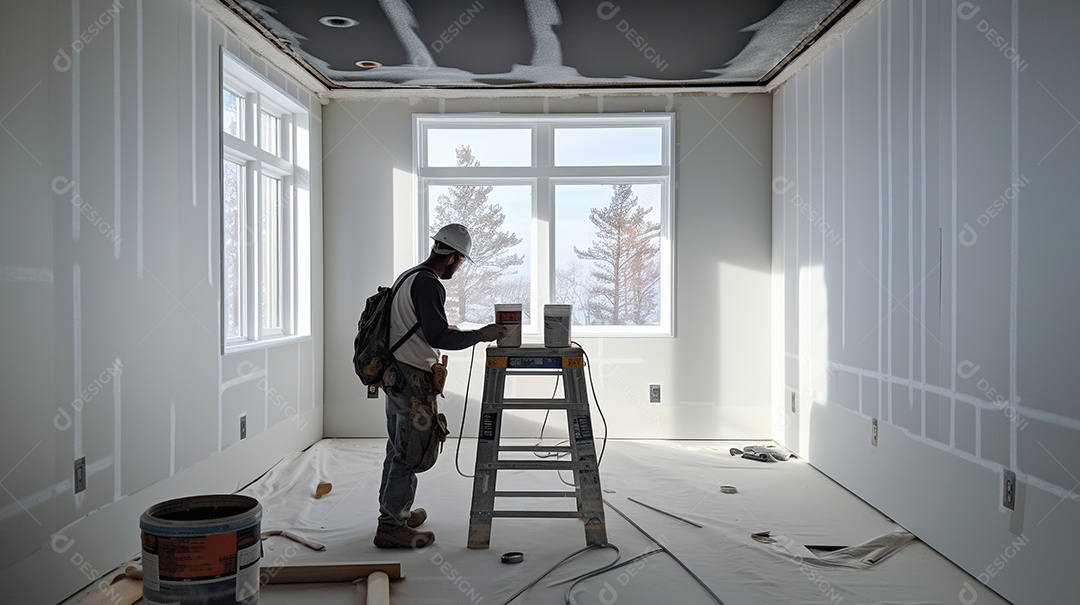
column 557, row 325
column 202, row 549
column 509, row 316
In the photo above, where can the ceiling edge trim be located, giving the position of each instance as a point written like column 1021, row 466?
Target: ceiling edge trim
column 414, row 94
column 818, row 48
column 258, row 44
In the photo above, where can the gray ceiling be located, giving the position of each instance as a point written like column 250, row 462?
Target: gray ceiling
column 542, row 43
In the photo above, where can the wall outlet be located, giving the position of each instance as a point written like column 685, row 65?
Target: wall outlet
column 243, row 426
column 794, row 403
column 372, row 392
column 80, row 475
column 1008, row 495
column 873, row 432
column 654, row 393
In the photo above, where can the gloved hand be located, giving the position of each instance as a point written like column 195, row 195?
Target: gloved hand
column 493, row 332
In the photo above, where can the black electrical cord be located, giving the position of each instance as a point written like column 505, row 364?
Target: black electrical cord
column 592, row 385
column 464, row 409
column 568, row 557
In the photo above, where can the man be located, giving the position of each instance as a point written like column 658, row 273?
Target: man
column 420, row 298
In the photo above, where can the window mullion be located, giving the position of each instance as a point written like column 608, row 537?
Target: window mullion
column 253, row 243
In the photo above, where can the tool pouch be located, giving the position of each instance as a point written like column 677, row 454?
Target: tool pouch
column 427, row 434
column 438, row 375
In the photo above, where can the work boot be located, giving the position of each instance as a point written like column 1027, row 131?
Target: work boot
column 403, row 536
column 417, row 517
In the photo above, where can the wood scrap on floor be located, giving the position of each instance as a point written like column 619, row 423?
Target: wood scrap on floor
column 125, row 588
column 284, row 533
column 349, row 572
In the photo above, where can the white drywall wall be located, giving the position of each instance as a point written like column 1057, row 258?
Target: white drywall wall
column 924, row 208
column 714, row 373
column 110, row 287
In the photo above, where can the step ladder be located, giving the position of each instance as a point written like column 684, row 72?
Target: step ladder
column 569, row 364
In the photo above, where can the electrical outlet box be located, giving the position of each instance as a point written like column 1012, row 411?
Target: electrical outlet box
column 654, row 393
column 372, row 392
column 873, row 432
column 80, row 475
column 794, row 403
column 243, row 426
column 1008, row 496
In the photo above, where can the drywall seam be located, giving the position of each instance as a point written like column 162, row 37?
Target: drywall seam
column 211, row 94
column 139, row 168
column 76, row 69
column 56, row 490
column 38, row 275
column 911, row 199
column 172, row 437
column 922, row 174
column 117, row 159
column 888, row 281
column 880, row 201
column 952, row 238
column 1014, row 275
column 194, row 112
column 76, row 306
column 843, row 194
column 118, row 370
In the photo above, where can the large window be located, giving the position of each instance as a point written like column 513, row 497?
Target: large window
column 264, row 210
column 568, row 209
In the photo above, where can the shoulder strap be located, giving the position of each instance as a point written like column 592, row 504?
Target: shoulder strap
column 416, row 326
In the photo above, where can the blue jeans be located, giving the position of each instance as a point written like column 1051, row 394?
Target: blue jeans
column 398, row 488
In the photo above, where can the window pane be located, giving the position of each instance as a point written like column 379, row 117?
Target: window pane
column 607, row 253
column 232, row 113
column 490, row 146
column 270, row 263
column 618, row 146
column 232, row 176
column 269, row 133
column 499, row 218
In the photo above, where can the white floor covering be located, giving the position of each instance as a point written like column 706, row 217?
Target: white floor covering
column 799, row 505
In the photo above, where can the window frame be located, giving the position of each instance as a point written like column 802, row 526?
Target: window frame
column 263, row 96
column 545, row 176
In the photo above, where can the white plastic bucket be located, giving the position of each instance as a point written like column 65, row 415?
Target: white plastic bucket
column 202, row 550
column 509, row 316
column 557, row 325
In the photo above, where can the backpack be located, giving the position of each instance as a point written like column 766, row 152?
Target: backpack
column 372, row 353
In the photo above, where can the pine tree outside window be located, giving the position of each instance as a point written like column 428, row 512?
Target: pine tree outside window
column 568, row 209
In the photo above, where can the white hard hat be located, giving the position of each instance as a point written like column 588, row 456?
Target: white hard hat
column 456, row 237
